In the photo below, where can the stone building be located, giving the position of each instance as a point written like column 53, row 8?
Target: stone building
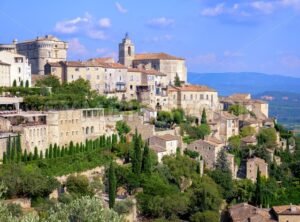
column 193, row 99
column 163, row 145
column 224, row 125
column 105, row 77
column 14, row 67
column 256, row 163
column 162, row 62
column 287, row 213
column 208, row 149
column 39, row 51
column 40, row 129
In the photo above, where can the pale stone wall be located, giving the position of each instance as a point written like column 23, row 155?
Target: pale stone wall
column 208, row 152
column 133, row 80
column 173, row 67
column 5, row 75
column 43, row 50
column 193, row 102
column 20, row 70
column 34, row 136
column 252, row 165
column 288, row 218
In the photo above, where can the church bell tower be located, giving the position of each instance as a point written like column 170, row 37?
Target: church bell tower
column 126, row 51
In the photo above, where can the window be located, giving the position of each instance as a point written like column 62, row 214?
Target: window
column 201, row 96
column 19, row 70
column 77, row 69
column 98, row 77
column 131, row 87
column 129, row 50
column 191, row 96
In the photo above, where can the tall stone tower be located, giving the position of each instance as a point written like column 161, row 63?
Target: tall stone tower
column 126, row 51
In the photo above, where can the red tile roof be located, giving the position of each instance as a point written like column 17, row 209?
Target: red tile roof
column 147, row 71
column 111, row 65
column 156, row 56
column 167, row 137
column 287, row 210
column 102, row 60
column 191, row 88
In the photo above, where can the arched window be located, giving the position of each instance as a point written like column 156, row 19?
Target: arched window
column 129, row 50
column 87, row 130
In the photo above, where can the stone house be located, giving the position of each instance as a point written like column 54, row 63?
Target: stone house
column 14, row 67
column 248, row 140
column 163, row 145
column 252, row 165
column 287, row 213
column 208, row 149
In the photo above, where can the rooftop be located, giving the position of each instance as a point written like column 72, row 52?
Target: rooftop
column 4, row 64
column 91, row 63
column 157, row 148
column 191, row 88
column 156, row 56
column 287, row 210
column 146, row 71
column 167, row 137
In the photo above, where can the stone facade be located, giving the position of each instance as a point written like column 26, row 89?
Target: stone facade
column 208, row 149
column 163, row 145
column 41, row 50
column 193, row 99
column 162, row 62
column 256, row 163
column 14, row 67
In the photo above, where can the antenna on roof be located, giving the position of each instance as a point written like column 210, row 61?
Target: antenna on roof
column 126, row 35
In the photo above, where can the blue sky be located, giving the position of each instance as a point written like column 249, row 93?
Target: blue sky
column 213, row 35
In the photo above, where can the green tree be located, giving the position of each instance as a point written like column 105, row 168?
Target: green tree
column 78, row 185
column 36, row 154
column 222, row 162
column 203, row 117
column 112, row 183
column 21, row 83
column 4, row 158
column 177, row 81
column 211, row 216
column 258, row 189
column 247, row 131
column 15, row 83
column 137, row 153
column 146, row 164
column 27, row 84
column 238, row 109
column 235, row 142
column 49, row 81
column 267, row 136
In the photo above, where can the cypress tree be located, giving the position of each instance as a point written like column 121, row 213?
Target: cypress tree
column 41, row 154
column 13, row 152
column 258, row 189
column 4, row 160
column 112, row 183
column 177, row 81
column 15, row 83
column 30, row 156
column 71, row 148
column 77, row 148
column 25, row 157
column 81, row 148
column 36, row 154
column 21, row 83
column 137, row 155
column 55, row 151
column 47, row 154
column 8, row 148
column 19, row 156
column 19, row 148
column 50, row 152
column 146, row 164
column 203, row 117
column 27, row 83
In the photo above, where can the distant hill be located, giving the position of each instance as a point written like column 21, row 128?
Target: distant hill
column 254, row 83
column 283, row 105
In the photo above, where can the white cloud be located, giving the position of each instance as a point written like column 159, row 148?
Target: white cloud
column 161, row 22
column 101, row 50
column 215, row 11
column 208, row 58
column 264, row 7
column 120, row 8
column 70, row 26
column 76, row 48
column 104, row 23
column 86, row 25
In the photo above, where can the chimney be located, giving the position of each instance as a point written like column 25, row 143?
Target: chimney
column 293, row 208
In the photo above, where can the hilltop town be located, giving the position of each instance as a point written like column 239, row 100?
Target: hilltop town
column 138, row 138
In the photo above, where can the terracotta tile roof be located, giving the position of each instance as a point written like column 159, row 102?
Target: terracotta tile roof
column 157, row 148
column 246, row 212
column 240, row 96
column 205, row 142
column 287, row 210
column 156, row 56
column 4, row 64
column 111, row 65
column 191, row 88
column 167, row 137
column 147, row 71
column 214, row 140
column 102, row 60
column 257, row 160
